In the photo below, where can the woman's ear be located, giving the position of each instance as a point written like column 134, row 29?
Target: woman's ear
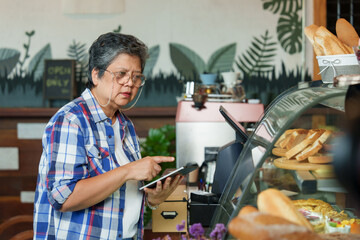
column 95, row 76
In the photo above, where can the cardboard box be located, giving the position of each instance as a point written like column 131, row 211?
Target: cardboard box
column 172, row 212
column 334, row 65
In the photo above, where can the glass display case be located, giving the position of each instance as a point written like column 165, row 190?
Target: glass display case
column 310, row 105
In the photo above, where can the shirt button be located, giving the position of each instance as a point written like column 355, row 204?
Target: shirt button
column 120, row 235
column 109, row 136
column 121, row 209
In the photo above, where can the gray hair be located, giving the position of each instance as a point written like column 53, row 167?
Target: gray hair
column 110, row 45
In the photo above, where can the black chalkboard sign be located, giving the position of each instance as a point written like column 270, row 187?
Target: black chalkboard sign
column 59, row 79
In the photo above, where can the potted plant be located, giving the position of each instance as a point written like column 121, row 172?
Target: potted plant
column 159, row 142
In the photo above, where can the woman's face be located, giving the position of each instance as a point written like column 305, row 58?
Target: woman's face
column 121, row 94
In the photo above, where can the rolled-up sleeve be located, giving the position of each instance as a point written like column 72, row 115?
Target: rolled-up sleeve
column 67, row 160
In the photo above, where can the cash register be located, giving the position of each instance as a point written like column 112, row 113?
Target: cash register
column 204, row 203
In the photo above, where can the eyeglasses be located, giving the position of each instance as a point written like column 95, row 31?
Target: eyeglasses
column 123, row 77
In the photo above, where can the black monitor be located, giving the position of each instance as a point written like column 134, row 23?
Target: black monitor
column 239, row 129
column 228, row 154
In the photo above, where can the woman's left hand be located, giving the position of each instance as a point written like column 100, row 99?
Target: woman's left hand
column 162, row 191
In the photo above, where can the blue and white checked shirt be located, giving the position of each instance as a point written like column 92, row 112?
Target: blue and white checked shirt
column 79, row 143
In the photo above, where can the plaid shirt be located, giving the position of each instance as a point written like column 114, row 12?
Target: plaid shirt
column 79, row 143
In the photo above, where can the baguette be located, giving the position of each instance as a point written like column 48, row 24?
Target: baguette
column 329, row 43
column 264, row 226
column 346, row 33
column 272, row 201
column 309, row 33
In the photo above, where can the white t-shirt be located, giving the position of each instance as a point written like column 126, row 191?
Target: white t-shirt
column 133, row 197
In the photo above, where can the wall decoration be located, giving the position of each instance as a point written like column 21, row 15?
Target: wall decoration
column 259, row 57
column 21, row 87
column 267, row 59
column 289, row 30
column 190, row 65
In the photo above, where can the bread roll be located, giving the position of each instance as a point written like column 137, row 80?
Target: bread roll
column 263, row 226
column 329, row 43
column 272, row 201
column 346, row 33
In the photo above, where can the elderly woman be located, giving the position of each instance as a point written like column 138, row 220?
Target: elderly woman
column 91, row 169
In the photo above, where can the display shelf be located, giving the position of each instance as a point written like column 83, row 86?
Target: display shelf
column 254, row 170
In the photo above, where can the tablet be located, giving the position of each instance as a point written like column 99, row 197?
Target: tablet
column 182, row 171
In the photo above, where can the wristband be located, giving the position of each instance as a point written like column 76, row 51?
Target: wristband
column 151, row 206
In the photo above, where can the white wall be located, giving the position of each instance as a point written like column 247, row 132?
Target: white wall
column 202, row 25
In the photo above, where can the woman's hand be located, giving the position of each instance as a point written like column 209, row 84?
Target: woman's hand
column 162, row 191
column 146, row 168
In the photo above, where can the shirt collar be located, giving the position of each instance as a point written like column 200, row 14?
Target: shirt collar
column 95, row 109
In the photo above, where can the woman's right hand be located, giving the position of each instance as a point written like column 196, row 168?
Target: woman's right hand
column 146, row 168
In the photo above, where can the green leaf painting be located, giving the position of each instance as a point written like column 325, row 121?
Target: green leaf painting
column 259, row 57
column 282, row 6
column 37, row 63
column 79, row 52
column 8, row 60
column 289, row 32
column 150, row 63
column 190, row 65
column 289, row 24
column 223, row 59
column 186, row 61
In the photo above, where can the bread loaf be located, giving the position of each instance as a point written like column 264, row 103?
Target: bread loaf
column 346, row 33
column 274, row 202
column 263, row 226
column 247, row 209
column 329, row 43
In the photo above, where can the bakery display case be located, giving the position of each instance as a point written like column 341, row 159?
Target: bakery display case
column 290, row 150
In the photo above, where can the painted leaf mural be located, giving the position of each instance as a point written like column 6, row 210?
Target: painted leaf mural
column 37, row 63
column 79, row 52
column 289, row 32
column 289, row 24
column 8, row 60
column 222, row 59
column 186, row 61
column 259, row 57
column 150, row 63
column 282, row 6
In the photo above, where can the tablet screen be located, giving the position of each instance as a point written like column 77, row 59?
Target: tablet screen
column 182, row 170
